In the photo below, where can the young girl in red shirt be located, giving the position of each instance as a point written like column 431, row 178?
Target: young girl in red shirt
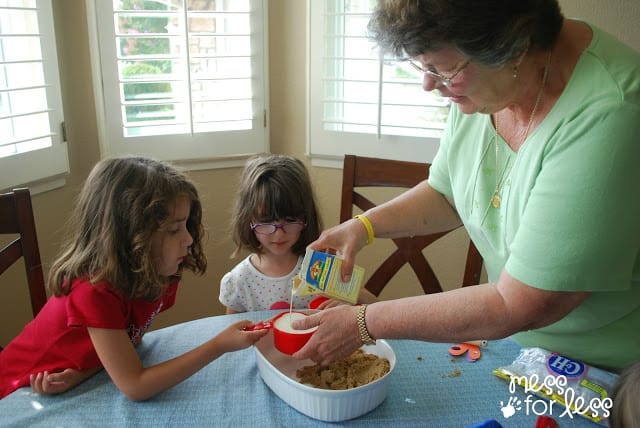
column 136, row 227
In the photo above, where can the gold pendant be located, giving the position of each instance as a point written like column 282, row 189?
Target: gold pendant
column 495, row 201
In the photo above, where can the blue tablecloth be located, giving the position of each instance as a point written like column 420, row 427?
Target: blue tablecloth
column 428, row 388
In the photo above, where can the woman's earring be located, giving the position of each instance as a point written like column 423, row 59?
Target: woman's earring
column 516, row 66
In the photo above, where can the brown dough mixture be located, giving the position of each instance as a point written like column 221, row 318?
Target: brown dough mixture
column 358, row 369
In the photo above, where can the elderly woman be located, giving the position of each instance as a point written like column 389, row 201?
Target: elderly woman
column 539, row 162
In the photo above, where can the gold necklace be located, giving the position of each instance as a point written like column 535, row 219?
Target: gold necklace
column 495, row 199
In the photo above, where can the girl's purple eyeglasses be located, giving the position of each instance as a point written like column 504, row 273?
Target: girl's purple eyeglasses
column 270, row 228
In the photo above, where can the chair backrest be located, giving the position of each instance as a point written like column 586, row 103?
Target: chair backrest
column 373, row 172
column 16, row 218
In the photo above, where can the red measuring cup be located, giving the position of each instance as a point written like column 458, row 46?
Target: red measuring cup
column 285, row 338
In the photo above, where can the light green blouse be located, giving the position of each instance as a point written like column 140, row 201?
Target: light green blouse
column 569, row 217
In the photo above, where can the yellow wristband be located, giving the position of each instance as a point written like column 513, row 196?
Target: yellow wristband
column 368, row 226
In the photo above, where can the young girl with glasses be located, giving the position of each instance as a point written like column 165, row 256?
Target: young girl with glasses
column 275, row 218
column 135, row 228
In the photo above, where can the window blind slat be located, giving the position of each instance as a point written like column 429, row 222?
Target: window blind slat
column 359, row 101
column 31, row 148
column 182, row 76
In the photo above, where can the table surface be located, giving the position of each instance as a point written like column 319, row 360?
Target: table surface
column 427, row 388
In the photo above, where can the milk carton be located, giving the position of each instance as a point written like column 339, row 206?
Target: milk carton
column 320, row 273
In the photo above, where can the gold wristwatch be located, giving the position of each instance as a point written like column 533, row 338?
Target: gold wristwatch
column 362, row 327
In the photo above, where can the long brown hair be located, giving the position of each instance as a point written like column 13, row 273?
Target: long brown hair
column 274, row 188
column 123, row 202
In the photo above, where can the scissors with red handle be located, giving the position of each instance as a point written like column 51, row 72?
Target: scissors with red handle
column 260, row 325
column 471, row 348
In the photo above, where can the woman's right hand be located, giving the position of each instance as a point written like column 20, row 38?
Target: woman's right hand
column 347, row 239
column 337, row 335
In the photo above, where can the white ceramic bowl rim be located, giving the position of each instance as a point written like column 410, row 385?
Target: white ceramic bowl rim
column 335, row 392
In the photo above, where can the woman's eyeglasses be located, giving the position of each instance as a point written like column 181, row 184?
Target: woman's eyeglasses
column 445, row 80
column 270, row 228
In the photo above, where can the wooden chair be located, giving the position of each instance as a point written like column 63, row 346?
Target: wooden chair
column 372, row 172
column 16, row 218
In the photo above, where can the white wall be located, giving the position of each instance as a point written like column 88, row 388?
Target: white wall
column 618, row 17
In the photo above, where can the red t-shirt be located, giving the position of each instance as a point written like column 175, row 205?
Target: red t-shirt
column 58, row 339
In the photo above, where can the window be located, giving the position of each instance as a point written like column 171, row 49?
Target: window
column 359, row 102
column 32, row 146
column 182, row 79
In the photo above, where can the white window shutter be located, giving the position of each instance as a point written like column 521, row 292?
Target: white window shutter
column 182, row 80
column 360, row 103
column 32, row 146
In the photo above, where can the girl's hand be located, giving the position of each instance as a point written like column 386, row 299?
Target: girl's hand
column 138, row 383
column 331, row 303
column 233, row 338
column 364, row 296
column 46, row 383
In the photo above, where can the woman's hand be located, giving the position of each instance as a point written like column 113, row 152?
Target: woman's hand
column 347, row 238
column 46, row 383
column 337, row 335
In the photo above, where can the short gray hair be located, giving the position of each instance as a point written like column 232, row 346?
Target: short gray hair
column 490, row 32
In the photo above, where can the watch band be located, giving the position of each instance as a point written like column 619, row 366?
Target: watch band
column 362, row 327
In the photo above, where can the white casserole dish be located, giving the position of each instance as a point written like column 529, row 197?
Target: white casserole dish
column 278, row 371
